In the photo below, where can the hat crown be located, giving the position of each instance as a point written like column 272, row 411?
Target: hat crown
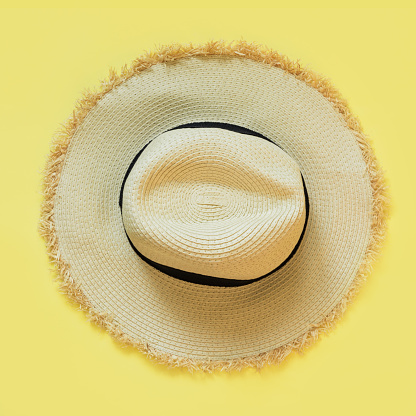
column 214, row 202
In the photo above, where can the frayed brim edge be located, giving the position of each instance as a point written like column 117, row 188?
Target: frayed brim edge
column 166, row 54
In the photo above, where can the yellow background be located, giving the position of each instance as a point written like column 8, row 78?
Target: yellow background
column 54, row 362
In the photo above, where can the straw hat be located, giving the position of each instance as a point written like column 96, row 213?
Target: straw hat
column 214, row 206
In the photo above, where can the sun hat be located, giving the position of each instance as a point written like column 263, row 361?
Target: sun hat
column 214, row 206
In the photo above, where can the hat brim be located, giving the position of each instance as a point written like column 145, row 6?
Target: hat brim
column 197, row 326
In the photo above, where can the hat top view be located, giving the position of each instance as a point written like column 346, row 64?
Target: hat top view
column 215, row 206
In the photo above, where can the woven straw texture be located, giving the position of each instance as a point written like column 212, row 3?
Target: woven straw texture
column 197, row 326
column 214, row 202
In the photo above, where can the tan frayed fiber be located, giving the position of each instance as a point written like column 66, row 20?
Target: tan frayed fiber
column 168, row 54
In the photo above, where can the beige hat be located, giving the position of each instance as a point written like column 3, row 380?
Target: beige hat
column 214, row 206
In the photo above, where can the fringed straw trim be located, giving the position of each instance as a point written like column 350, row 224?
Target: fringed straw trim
column 171, row 53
